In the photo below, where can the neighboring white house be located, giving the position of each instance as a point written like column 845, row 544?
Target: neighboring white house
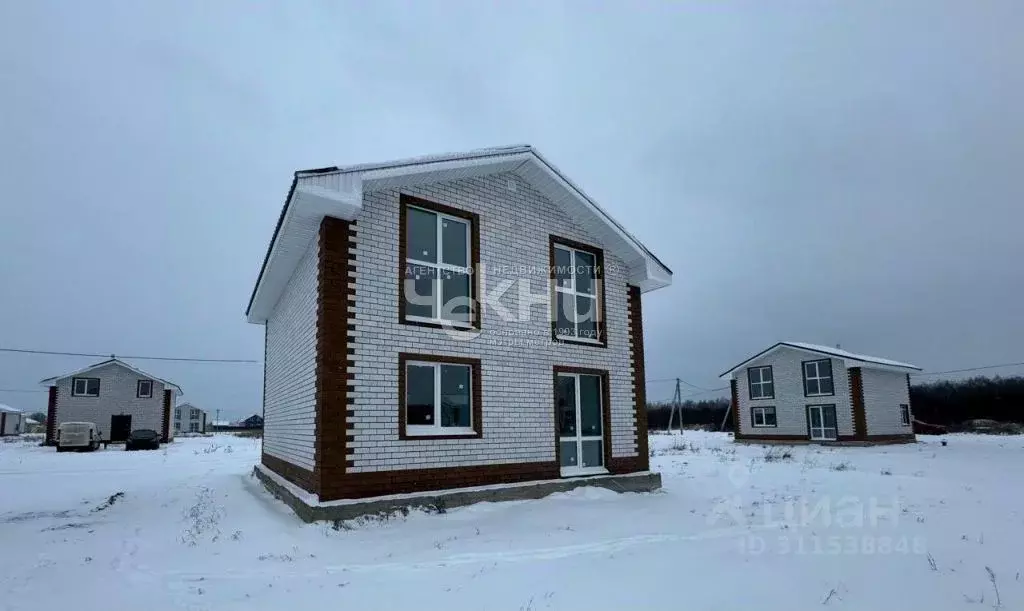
column 10, row 421
column 115, row 396
column 389, row 370
column 795, row 391
column 189, row 419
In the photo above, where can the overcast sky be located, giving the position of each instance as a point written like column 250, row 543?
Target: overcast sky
column 832, row 172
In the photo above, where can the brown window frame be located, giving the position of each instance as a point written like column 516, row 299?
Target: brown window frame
column 761, row 382
column 476, row 393
column 138, row 389
column 606, row 411
column 86, row 393
column 602, row 327
column 474, row 284
column 753, row 420
column 831, row 377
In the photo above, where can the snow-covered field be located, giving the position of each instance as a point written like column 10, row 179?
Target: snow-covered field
column 736, row 527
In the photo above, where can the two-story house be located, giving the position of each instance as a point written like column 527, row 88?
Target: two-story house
column 798, row 392
column 115, row 396
column 450, row 321
column 189, row 419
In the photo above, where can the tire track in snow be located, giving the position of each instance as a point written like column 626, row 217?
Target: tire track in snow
column 470, row 558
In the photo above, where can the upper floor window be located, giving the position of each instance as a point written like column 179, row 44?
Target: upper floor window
column 818, row 378
column 904, row 414
column 177, row 414
column 761, row 382
column 144, row 389
column 85, row 387
column 193, row 414
column 577, row 272
column 438, row 256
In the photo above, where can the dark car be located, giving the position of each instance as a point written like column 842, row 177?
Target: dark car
column 143, row 439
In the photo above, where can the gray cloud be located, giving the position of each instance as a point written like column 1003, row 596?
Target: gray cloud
column 828, row 172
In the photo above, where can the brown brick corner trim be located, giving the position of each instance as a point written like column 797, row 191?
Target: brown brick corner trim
column 51, row 417
column 477, row 393
column 166, row 433
column 334, row 266
column 303, row 478
column 735, row 393
column 639, row 381
column 860, row 417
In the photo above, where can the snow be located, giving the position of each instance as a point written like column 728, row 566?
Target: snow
column 850, row 355
column 9, row 409
column 887, row 527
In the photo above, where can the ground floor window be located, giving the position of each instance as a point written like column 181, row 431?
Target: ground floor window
column 821, row 422
column 440, row 396
column 904, row 414
column 579, row 401
column 763, row 416
column 193, row 427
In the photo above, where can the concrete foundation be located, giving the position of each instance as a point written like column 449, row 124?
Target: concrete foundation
column 309, row 510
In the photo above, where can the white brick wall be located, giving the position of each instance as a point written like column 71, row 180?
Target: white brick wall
column 289, row 399
column 118, row 387
column 884, row 391
column 790, row 402
column 518, row 413
column 182, row 420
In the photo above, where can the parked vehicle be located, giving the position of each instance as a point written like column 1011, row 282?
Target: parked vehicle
column 143, row 439
column 77, row 436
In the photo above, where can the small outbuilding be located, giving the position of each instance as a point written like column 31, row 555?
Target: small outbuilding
column 799, row 392
column 11, row 421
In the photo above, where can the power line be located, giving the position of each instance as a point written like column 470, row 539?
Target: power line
column 21, row 390
column 134, row 357
column 935, row 373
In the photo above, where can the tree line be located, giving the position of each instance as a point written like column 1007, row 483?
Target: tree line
column 943, row 402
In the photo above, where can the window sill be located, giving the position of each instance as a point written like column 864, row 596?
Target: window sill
column 831, row 394
column 413, row 432
column 771, row 398
column 764, row 426
column 85, row 396
column 439, row 324
column 561, row 339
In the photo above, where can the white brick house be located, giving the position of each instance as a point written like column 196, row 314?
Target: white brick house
column 795, row 391
column 189, row 419
column 450, row 321
column 115, row 396
column 11, row 421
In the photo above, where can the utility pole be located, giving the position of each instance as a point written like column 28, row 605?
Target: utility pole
column 217, row 420
column 677, row 399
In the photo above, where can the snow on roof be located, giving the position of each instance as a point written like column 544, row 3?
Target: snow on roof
column 110, row 361
column 850, row 355
column 821, row 349
column 338, row 192
column 9, row 409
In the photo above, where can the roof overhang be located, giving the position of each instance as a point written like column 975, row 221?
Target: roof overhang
column 338, row 192
column 119, row 362
column 849, row 360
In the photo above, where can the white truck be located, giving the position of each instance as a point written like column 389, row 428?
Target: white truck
column 77, row 436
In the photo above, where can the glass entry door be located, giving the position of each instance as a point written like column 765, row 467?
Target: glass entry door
column 821, row 420
column 580, row 428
